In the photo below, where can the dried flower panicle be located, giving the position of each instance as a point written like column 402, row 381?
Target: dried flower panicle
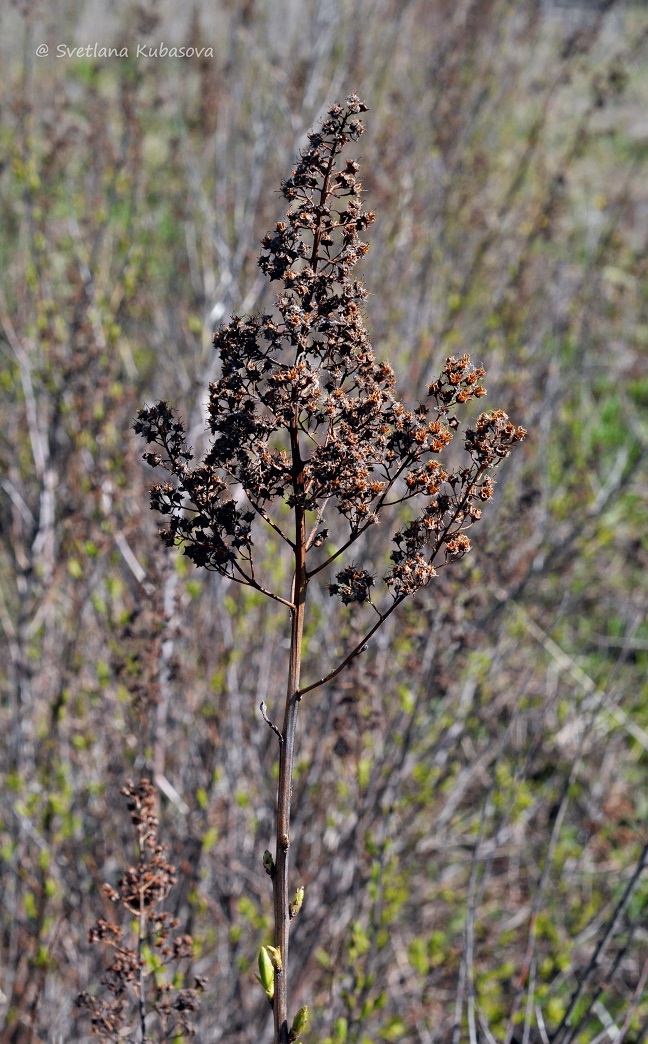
column 135, row 984
column 305, row 413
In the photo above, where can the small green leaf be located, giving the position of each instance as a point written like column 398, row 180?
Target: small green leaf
column 340, row 1031
column 75, row 569
column 202, row 798
column 210, row 838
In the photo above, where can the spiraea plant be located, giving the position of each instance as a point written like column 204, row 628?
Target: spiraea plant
column 139, row 999
column 311, row 444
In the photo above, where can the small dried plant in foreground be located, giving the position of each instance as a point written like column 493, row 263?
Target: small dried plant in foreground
column 140, row 995
column 304, row 417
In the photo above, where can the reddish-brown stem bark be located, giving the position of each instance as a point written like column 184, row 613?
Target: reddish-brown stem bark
column 286, row 753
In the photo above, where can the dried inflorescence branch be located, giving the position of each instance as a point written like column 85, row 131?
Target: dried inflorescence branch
column 148, row 883
column 137, row 988
column 302, row 393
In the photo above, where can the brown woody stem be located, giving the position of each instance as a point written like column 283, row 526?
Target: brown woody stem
column 286, row 752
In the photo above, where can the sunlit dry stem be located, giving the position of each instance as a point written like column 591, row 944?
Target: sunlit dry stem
column 286, row 754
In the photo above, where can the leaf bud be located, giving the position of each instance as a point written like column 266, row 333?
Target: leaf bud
column 296, row 902
column 275, row 957
column 266, row 973
column 299, row 1023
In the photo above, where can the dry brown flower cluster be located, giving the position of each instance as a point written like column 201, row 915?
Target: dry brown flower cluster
column 304, row 412
column 133, row 980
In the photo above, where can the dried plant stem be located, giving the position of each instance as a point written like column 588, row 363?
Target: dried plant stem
column 286, row 753
column 142, row 986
